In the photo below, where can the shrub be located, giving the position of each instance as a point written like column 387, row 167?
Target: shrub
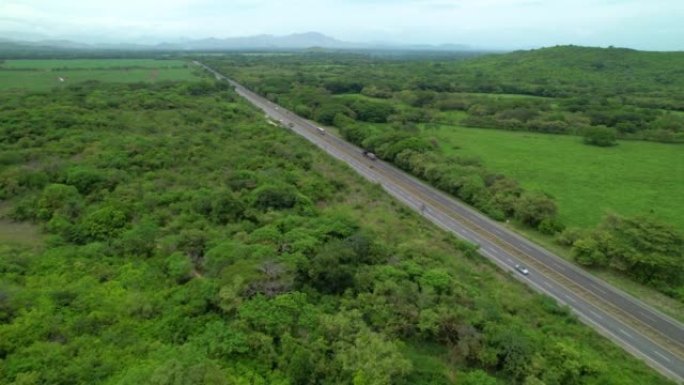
column 601, row 136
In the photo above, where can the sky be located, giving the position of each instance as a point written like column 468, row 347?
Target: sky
column 501, row 24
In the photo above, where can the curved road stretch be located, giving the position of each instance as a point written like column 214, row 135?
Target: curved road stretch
column 646, row 333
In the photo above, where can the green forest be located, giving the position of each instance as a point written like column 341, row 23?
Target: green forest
column 409, row 112
column 164, row 233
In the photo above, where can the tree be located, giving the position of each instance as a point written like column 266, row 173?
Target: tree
column 226, row 207
column 179, row 267
column 188, row 370
column 534, row 207
column 141, row 239
column 642, row 247
column 326, row 113
column 477, row 377
column 59, row 198
column 330, row 270
column 104, row 223
column 514, row 349
column 85, row 179
column 566, row 364
column 373, row 360
column 275, row 197
column 588, row 252
column 193, row 243
column 374, row 112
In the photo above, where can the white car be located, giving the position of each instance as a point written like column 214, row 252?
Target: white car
column 522, row 269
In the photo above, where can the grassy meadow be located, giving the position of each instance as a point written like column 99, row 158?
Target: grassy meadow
column 631, row 178
column 45, row 74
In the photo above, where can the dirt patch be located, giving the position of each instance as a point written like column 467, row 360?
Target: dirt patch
column 20, row 233
column 154, row 74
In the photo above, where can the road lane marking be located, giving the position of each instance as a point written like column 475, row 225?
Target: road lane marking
column 647, row 316
column 570, row 298
column 526, row 248
column 546, row 284
column 623, row 331
column 558, row 266
column 598, row 289
column 595, row 314
column 662, row 356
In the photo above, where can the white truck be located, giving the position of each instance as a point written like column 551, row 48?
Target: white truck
column 369, row 155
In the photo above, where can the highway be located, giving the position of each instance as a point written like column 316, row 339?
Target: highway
column 641, row 330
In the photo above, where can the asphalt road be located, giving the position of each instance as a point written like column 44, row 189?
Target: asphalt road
column 644, row 332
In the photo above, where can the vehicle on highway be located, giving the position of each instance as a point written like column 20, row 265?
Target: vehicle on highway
column 320, row 130
column 370, row 155
column 522, row 269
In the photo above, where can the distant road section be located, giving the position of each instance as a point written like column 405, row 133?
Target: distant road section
column 644, row 332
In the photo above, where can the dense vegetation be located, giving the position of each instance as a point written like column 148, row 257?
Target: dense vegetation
column 642, row 248
column 185, row 240
column 391, row 108
column 561, row 89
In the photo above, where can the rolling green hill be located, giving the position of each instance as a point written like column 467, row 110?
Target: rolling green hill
column 578, row 71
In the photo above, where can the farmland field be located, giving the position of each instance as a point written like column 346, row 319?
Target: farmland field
column 632, row 178
column 46, row 74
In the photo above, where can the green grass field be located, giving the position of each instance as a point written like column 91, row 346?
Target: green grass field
column 631, row 178
column 46, row 74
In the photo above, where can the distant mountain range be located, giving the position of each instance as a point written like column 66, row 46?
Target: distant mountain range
column 267, row 42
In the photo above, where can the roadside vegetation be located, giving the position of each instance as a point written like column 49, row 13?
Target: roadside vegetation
column 402, row 111
column 178, row 238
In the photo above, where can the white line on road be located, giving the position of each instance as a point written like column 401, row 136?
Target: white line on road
column 595, row 314
column 647, row 316
column 625, row 333
column 570, row 299
column 598, row 289
column 557, row 266
column 662, row 356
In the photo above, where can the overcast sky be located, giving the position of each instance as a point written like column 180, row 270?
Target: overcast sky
column 642, row 24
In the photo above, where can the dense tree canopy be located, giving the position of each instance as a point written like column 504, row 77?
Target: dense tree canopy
column 184, row 240
column 390, row 106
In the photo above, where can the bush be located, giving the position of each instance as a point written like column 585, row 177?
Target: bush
column 275, row 197
column 641, row 247
column 601, row 136
column 104, row 223
column 532, row 208
column 59, row 198
column 179, row 267
column 326, row 113
column 370, row 111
